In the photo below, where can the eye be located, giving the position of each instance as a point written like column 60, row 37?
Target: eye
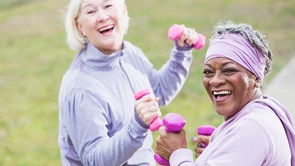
column 207, row 72
column 108, row 6
column 90, row 11
column 230, row 70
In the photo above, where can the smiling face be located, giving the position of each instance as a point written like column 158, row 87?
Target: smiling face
column 229, row 85
column 103, row 23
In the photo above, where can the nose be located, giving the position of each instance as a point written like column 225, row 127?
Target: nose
column 217, row 79
column 102, row 15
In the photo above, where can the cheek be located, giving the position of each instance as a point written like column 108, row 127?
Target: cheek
column 247, row 83
column 88, row 22
column 206, row 84
column 243, row 90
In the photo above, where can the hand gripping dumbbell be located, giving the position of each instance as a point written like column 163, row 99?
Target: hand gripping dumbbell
column 172, row 121
column 175, row 32
column 206, row 130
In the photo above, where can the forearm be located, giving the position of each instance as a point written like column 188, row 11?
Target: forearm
column 172, row 76
column 115, row 150
column 90, row 129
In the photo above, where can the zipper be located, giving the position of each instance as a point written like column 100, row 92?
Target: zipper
column 126, row 75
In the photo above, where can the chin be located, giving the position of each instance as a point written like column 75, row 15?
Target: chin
column 223, row 111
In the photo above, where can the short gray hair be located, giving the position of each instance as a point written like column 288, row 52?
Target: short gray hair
column 255, row 38
column 75, row 40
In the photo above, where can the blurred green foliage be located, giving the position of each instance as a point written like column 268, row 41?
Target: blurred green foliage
column 34, row 57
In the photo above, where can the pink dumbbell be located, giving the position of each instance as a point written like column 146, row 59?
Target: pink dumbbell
column 206, row 130
column 175, row 32
column 172, row 121
column 157, row 122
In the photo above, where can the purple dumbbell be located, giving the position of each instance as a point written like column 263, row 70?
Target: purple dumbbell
column 172, row 121
column 175, row 32
column 206, row 130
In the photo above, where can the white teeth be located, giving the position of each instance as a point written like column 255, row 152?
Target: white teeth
column 106, row 28
column 222, row 93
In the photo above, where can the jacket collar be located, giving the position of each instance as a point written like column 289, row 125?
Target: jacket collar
column 94, row 58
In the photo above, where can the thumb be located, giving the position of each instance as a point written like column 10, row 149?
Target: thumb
column 157, row 99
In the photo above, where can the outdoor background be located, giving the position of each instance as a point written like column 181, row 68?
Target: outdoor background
column 34, row 56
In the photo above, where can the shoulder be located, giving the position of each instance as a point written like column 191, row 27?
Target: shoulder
column 259, row 122
column 131, row 49
column 77, row 84
column 135, row 56
column 254, row 122
column 262, row 115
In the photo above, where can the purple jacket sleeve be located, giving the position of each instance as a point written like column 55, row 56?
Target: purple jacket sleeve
column 170, row 78
column 91, row 140
column 182, row 157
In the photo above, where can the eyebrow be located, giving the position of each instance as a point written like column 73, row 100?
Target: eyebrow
column 86, row 5
column 223, row 64
column 227, row 63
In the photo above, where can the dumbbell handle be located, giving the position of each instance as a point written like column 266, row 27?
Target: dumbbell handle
column 206, row 130
column 172, row 121
column 175, row 32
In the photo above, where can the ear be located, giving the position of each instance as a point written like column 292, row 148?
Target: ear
column 79, row 27
column 125, row 11
column 257, row 83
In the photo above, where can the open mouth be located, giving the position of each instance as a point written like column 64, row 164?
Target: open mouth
column 221, row 94
column 106, row 29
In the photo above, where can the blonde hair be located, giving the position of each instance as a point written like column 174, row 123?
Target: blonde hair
column 75, row 40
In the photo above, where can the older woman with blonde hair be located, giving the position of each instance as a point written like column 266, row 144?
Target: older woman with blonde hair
column 257, row 129
column 98, row 124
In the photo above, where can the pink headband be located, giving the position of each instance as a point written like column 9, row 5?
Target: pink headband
column 237, row 48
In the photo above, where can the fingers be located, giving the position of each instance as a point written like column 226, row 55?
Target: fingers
column 162, row 131
column 161, row 148
column 183, row 36
column 147, row 108
column 192, row 37
column 189, row 36
column 168, row 142
column 199, row 146
column 199, row 151
column 200, row 140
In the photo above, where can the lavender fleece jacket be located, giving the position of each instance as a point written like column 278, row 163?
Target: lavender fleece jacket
column 262, row 133
column 98, row 124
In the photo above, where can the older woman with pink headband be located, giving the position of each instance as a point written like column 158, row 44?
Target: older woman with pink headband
column 257, row 129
